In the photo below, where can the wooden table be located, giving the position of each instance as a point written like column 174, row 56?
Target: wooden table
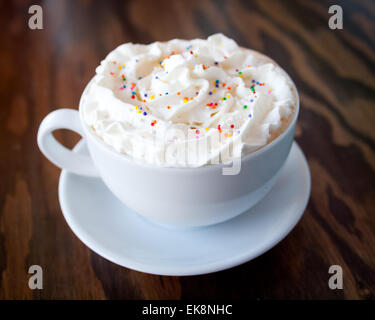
column 42, row 70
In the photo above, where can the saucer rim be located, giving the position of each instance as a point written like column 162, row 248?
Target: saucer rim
column 189, row 270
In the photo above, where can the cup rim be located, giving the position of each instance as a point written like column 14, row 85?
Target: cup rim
column 247, row 157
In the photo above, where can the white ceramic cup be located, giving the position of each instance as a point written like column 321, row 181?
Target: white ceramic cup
column 173, row 196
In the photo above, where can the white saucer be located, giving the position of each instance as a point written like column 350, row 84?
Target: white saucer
column 122, row 236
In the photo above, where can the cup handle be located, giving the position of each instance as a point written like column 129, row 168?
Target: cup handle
column 55, row 152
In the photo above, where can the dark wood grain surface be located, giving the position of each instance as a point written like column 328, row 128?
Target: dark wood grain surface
column 42, row 70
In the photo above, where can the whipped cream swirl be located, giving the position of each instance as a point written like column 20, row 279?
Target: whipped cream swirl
column 151, row 101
